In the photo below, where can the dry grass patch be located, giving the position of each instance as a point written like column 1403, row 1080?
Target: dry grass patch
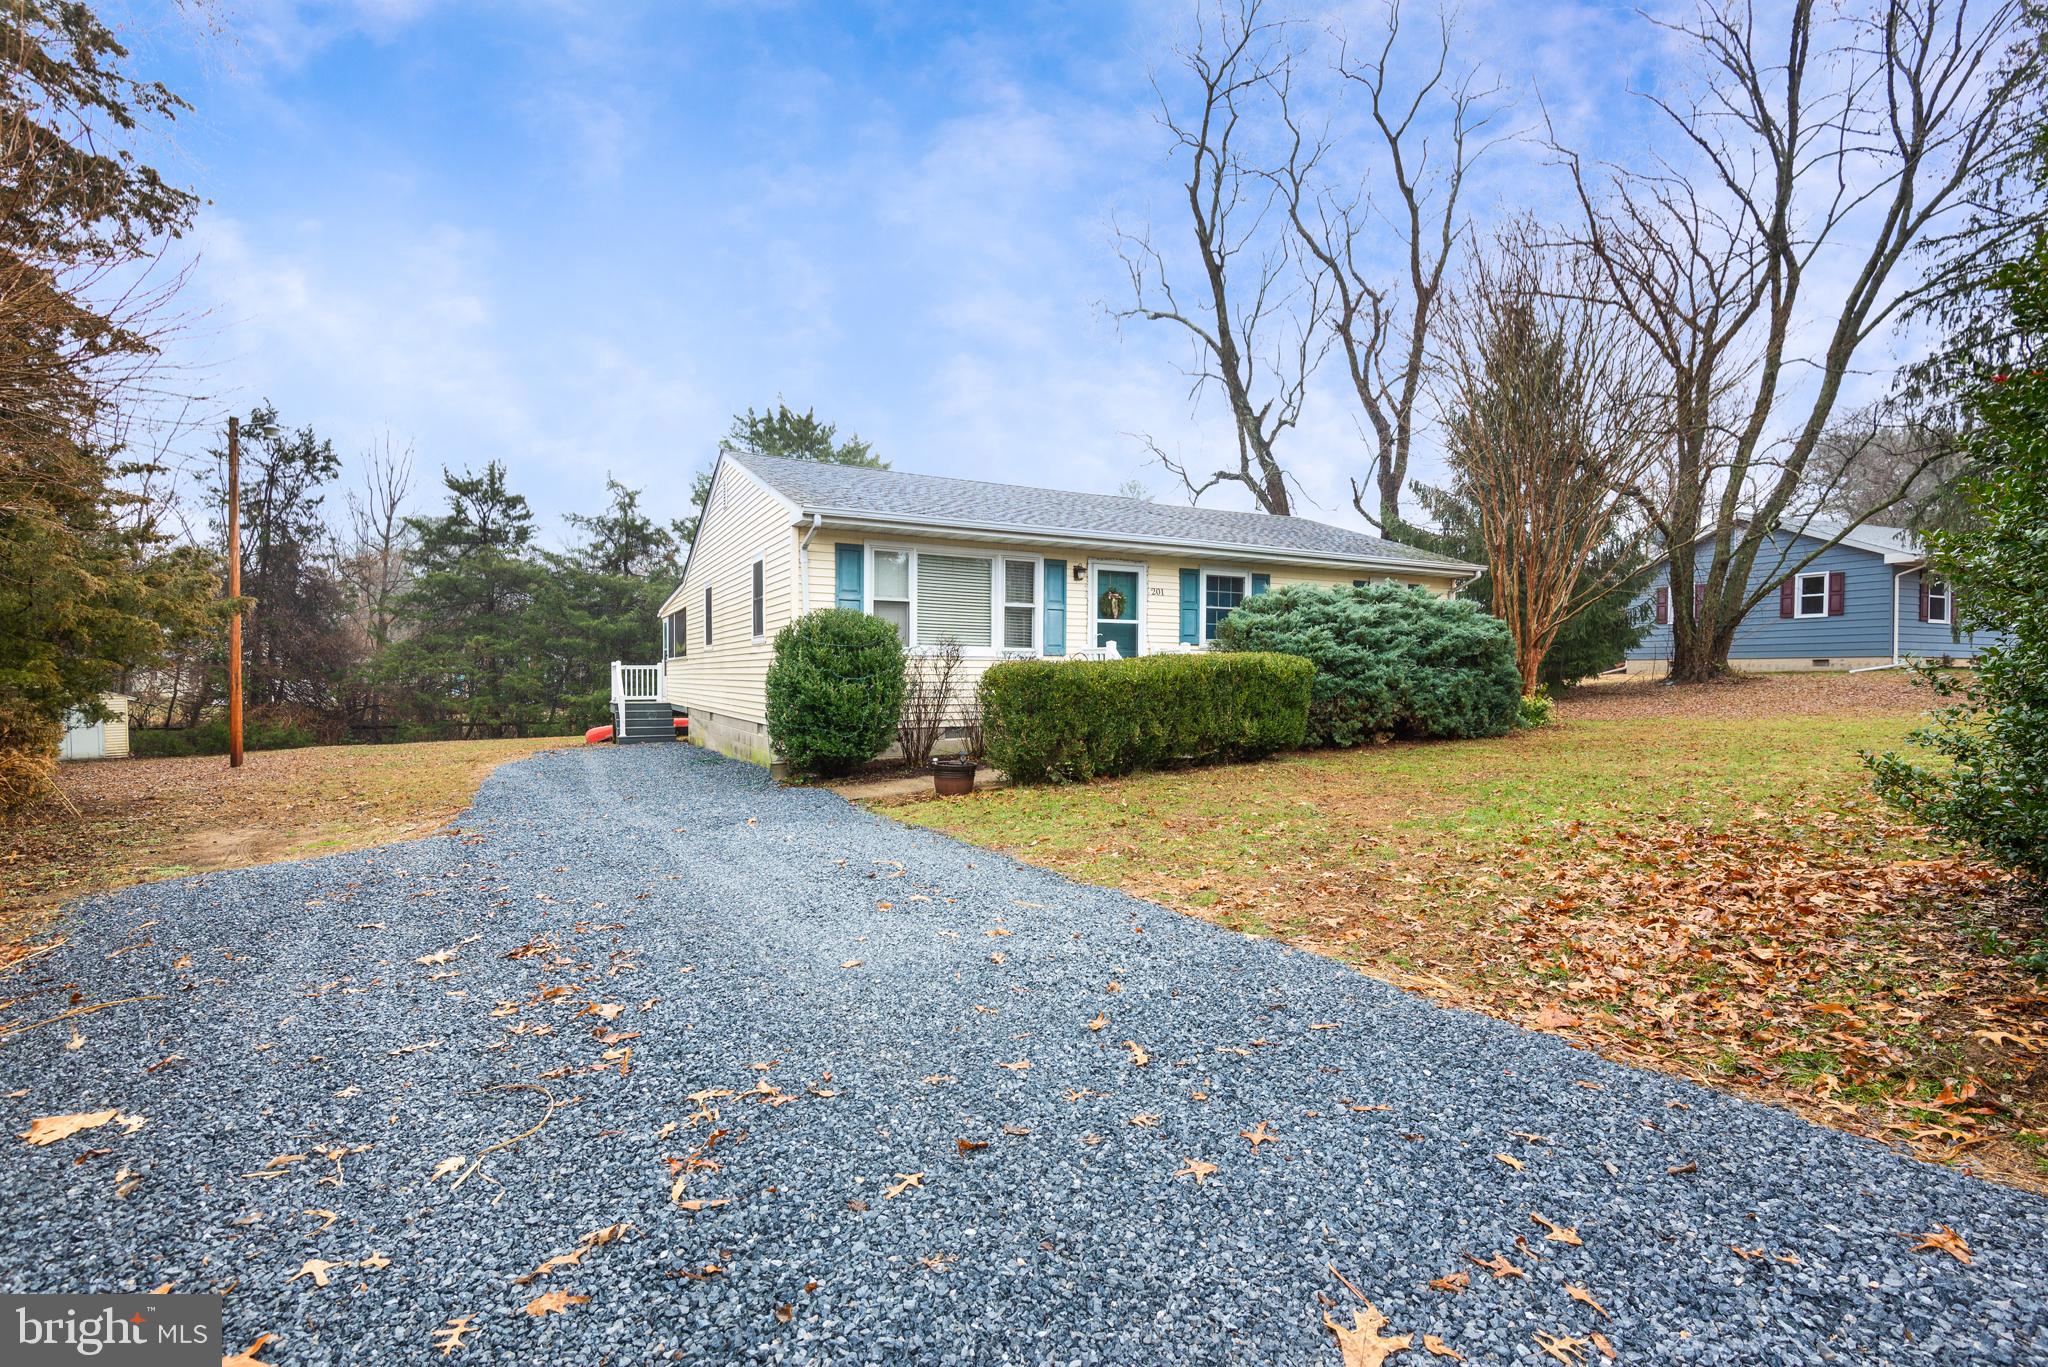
column 1718, row 897
column 116, row 822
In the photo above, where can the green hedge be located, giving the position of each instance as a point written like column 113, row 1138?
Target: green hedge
column 1076, row 719
column 210, row 737
column 1390, row 660
column 835, row 691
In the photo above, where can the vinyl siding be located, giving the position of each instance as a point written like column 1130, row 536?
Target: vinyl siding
column 1862, row 632
column 1159, row 615
column 742, row 520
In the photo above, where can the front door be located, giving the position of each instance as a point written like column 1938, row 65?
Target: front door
column 1116, row 610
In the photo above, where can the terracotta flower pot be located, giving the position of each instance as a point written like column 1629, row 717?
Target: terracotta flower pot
column 952, row 777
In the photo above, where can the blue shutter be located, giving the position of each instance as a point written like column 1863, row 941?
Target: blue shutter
column 848, row 589
column 1055, row 627
column 1190, row 607
column 1261, row 582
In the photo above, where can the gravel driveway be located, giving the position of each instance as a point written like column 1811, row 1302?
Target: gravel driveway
column 859, row 1093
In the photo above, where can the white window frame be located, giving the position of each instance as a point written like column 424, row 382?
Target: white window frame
column 1799, row 594
column 757, row 598
column 1000, row 600
column 994, row 650
column 1938, row 590
column 1095, row 570
column 867, row 585
column 1227, row 572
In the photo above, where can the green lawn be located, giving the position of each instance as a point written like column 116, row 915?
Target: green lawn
column 1716, row 896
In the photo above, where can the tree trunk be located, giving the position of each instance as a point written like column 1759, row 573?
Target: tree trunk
column 1699, row 655
column 1529, row 660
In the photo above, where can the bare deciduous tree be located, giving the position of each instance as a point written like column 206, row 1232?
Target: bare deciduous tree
column 1428, row 140
column 1541, row 384
column 1254, row 322
column 1762, row 262
column 373, row 561
column 1869, row 465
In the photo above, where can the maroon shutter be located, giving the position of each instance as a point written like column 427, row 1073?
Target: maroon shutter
column 1786, row 592
column 1664, row 603
column 1838, row 593
column 1923, row 598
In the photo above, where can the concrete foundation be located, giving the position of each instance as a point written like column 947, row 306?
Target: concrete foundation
column 739, row 737
column 1657, row 669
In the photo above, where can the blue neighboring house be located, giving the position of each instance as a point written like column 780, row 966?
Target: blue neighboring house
column 1864, row 602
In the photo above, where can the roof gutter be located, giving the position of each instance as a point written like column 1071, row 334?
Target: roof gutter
column 856, row 521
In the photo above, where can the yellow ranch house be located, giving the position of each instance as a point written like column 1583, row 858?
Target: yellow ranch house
column 1003, row 571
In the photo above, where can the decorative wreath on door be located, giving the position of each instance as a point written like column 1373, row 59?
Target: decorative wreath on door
column 1111, row 607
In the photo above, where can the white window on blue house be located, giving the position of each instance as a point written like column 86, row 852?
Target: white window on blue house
column 1937, row 601
column 1222, row 591
column 1813, row 596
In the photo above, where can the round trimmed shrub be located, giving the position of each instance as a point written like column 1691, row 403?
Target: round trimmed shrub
column 835, row 691
column 1390, row 660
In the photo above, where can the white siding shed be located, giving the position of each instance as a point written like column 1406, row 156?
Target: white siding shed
column 99, row 739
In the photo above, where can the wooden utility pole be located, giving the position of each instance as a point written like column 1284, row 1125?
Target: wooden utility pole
column 235, row 592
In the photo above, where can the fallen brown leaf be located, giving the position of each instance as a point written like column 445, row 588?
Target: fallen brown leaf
column 1198, row 1170
column 554, row 1303
column 1942, row 1239
column 1439, row 1348
column 247, row 1357
column 1585, row 1297
column 317, row 1269
column 51, row 1128
column 1498, row 1265
column 450, row 1335
column 1361, row 1344
column 1565, row 1349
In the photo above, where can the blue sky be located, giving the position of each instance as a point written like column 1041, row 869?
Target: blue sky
column 576, row 237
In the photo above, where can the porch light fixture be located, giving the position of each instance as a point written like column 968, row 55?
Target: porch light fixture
column 1080, row 572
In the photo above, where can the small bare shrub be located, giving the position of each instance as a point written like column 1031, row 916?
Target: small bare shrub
column 927, row 698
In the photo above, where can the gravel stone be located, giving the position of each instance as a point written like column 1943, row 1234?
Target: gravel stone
column 718, row 910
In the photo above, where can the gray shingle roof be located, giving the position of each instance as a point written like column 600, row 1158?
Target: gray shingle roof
column 927, row 500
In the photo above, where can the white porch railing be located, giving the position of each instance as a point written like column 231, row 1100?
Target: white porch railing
column 635, row 683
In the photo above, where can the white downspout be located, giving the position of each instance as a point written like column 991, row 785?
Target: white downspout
column 1896, row 662
column 803, row 565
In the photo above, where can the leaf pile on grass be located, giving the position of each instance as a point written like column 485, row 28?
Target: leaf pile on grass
column 1747, row 697
column 1788, row 955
